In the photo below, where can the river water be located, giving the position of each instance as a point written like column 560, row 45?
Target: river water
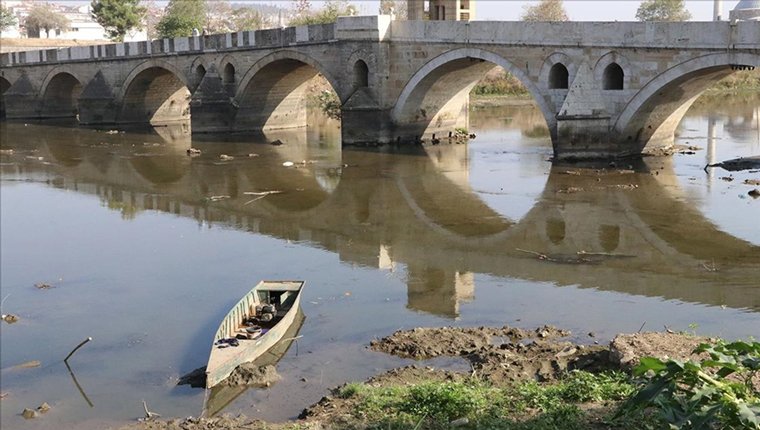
column 146, row 249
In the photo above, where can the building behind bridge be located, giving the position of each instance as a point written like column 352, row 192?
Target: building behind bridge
column 442, row 10
column 746, row 10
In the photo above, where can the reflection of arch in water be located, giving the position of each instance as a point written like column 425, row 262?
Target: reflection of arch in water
column 435, row 98
column 305, row 185
column 161, row 165
column 272, row 93
column 444, row 200
column 155, row 92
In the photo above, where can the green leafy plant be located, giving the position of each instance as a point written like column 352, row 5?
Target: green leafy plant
column 330, row 104
column 716, row 392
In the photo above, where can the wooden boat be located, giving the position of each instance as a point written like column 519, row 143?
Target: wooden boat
column 221, row 395
column 253, row 326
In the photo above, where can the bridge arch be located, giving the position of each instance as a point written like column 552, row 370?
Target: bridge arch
column 155, row 92
column 60, row 94
column 650, row 118
column 272, row 93
column 444, row 83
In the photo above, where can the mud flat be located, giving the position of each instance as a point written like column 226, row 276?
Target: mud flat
column 498, row 356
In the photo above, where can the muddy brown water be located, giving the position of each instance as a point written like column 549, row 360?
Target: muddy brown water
column 146, row 249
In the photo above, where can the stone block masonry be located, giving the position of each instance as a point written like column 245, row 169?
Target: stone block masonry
column 623, row 90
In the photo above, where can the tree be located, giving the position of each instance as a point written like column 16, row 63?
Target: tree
column 181, row 17
column 662, row 10
column 246, row 18
column 219, row 17
column 329, row 13
column 153, row 15
column 399, row 8
column 44, row 17
column 546, row 10
column 118, row 16
column 7, row 19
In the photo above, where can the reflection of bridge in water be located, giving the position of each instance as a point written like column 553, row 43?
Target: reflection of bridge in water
column 416, row 209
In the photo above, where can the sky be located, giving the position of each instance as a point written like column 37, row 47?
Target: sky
column 578, row 10
column 510, row 10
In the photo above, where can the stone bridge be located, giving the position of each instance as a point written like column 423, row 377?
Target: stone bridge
column 605, row 89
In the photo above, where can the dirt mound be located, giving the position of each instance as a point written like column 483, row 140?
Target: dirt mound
column 424, row 343
column 252, row 375
column 501, row 355
column 627, row 349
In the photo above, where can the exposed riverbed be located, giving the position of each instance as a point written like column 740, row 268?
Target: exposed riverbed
column 145, row 248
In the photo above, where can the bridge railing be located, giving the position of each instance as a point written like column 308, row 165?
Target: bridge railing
column 670, row 35
column 277, row 37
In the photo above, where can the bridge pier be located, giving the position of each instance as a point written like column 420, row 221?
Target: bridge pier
column 584, row 137
column 22, row 100
column 97, row 103
column 211, row 107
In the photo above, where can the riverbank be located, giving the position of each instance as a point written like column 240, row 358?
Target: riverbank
column 526, row 379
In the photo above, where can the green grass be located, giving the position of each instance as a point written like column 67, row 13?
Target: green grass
column 525, row 406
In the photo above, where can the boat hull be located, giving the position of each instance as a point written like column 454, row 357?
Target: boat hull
column 223, row 361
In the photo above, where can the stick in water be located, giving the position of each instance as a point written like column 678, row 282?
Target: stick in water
column 77, row 347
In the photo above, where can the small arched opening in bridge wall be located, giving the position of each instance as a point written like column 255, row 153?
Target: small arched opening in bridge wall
column 155, row 95
column 199, row 73
column 60, row 96
column 558, row 77
column 650, row 118
column 4, row 85
column 361, row 75
column 613, row 77
column 436, row 99
column 273, row 93
column 228, row 75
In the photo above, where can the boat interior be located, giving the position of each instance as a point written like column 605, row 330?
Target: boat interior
column 258, row 312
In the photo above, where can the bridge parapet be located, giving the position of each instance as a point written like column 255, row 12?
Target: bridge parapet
column 671, row 35
column 272, row 38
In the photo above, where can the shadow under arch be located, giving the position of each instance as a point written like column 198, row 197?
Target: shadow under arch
column 649, row 120
column 272, row 93
column 60, row 95
column 434, row 98
column 4, row 85
column 155, row 92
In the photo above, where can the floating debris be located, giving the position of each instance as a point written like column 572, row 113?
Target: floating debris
column 252, row 154
column 217, row 198
column 43, row 286
column 225, row 157
column 752, row 181
column 193, row 152
column 288, row 164
column 27, row 365
column 755, row 193
column 6, row 152
column 10, row 318
column 737, row 164
column 29, row 413
column 277, row 142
